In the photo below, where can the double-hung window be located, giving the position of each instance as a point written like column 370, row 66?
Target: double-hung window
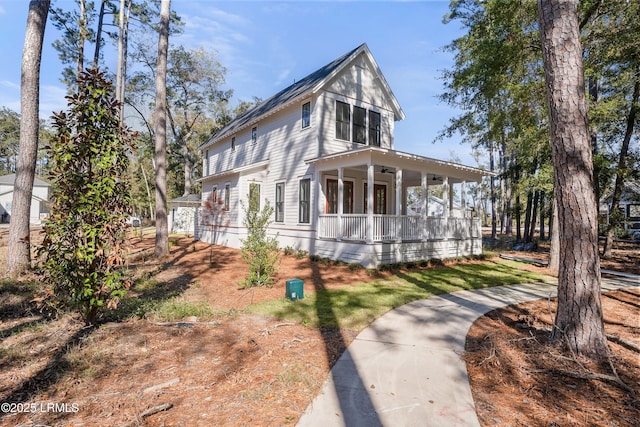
column 359, row 125
column 343, row 121
column 254, row 197
column 227, row 194
column 254, row 135
column 332, row 196
column 306, row 115
column 304, row 211
column 374, row 128
column 279, row 202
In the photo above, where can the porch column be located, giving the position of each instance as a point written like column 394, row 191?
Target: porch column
column 370, row 202
column 316, row 190
column 446, row 197
column 425, row 203
column 463, row 198
column 399, row 197
column 340, row 201
column 450, row 199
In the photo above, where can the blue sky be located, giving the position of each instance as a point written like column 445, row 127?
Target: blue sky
column 266, row 45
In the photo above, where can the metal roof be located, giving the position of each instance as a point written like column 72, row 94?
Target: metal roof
column 307, row 85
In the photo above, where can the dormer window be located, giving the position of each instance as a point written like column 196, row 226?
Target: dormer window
column 306, row 115
column 343, row 121
column 254, row 135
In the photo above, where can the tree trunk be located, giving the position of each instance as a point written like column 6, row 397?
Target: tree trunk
column 527, row 216
column 146, row 184
column 187, row 169
column 162, row 228
column 492, row 187
column 534, row 213
column 518, row 212
column 554, row 242
column 96, row 52
column 19, row 246
column 119, row 76
column 578, row 321
column 82, row 26
column 508, row 211
column 542, row 213
column 593, row 98
column 621, row 173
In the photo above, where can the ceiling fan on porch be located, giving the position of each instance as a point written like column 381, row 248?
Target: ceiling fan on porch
column 386, row 170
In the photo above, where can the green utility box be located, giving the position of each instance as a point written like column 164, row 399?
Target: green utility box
column 295, row 289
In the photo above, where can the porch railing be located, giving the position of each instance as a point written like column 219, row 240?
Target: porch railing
column 396, row 227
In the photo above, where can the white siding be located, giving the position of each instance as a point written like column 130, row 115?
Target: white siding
column 358, row 82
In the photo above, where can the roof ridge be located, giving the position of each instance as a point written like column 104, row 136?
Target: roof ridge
column 284, row 96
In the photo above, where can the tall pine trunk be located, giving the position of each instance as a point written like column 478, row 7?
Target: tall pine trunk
column 162, row 227
column 19, row 253
column 534, row 217
column 492, row 189
column 621, row 173
column 578, row 321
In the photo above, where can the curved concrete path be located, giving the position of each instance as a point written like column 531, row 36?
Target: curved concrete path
column 405, row 369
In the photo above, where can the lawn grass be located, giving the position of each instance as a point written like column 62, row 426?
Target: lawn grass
column 356, row 306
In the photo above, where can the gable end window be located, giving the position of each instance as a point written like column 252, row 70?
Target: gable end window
column 233, row 143
column 304, row 196
column 359, row 125
column 343, row 121
column 374, row 128
column 306, row 115
column 254, row 135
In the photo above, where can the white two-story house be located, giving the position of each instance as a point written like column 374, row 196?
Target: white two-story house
column 322, row 152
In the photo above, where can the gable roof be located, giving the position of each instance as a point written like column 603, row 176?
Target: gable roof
column 11, row 179
column 189, row 199
column 310, row 84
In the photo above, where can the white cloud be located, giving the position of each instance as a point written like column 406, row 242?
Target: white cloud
column 52, row 99
column 10, row 95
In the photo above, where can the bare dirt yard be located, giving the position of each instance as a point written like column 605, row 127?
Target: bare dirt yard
column 239, row 369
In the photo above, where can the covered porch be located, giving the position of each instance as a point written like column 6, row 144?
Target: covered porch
column 375, row 195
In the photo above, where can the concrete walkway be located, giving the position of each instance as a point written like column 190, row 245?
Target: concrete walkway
column 405, row 369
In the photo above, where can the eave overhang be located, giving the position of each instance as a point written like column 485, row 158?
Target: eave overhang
column 398, row 160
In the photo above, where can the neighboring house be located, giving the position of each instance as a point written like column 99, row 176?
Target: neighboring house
column 322, row 152
column 183, row 214
column 435, row 207
column 629, row 205
column 39, row 199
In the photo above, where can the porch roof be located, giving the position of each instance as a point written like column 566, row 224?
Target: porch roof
column 393, row 160
column 233, row 171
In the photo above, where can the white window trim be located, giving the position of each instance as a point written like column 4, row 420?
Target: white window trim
column 284, row 201
column 302, row 126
